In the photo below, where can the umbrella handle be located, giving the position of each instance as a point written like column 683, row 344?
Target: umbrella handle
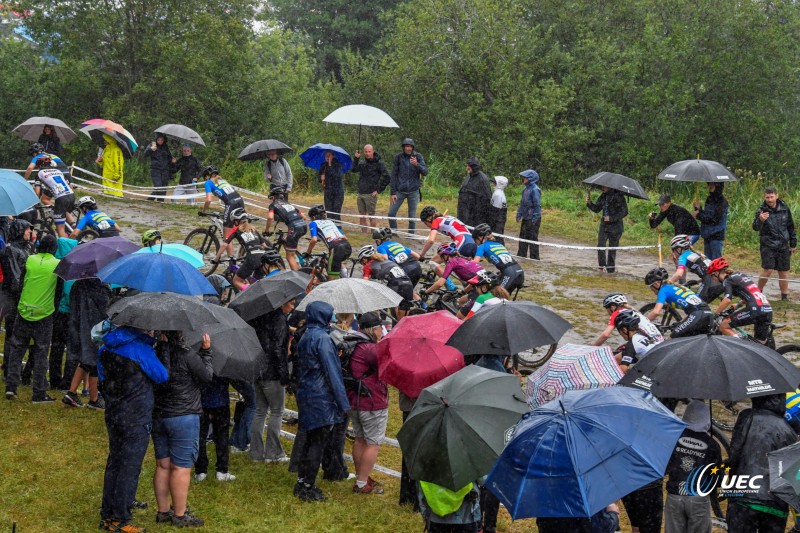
column 444, row 401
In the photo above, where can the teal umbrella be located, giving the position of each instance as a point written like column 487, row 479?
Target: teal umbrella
column 16, row 194
column 181, row 251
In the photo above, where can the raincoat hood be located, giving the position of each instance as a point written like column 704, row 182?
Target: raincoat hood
column 718, row 190
column 109, row 139
column 160, row 135
column 474, row 163
column 500, row 182
column 773, row 402
column 319, row 314
column 16, row 231
column 124, row 335
column 409, row 141
column 65, row 246
column 532, row 175
column 697, row 416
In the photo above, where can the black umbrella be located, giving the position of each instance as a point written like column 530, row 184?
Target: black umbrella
column 182, row 133
column 713, row 367
column 508, row 328
column 700, row 170
column 270, row 293
column 258, row 150
column 781, row 463
column 163, row 311
column 618, row 182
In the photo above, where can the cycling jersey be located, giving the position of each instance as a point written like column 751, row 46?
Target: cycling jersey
column 287, row 213
column 463, row 268
column 644, row 323
column 638, row 346
column 792, row 415
column 678, row 297
column 222, row 190
column 496, row 253
column 384, row 270
column 54, row 180
column 737, row 284
column 693, row 262
column 395, row 251
column 485, row 299
column 249, row 240
column 99, row 222
column 327, row 230
column 453, row 228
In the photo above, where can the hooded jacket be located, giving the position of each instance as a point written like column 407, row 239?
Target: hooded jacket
column 373, row 175
column 334, row 177
column 13, row 258
column 160, row 158
column 321, row 396
column 713, row 216
column 778, row 230
column 88, row 300
column 279, row 172
column 187, row 369
column 530, row 206
column 113, row 162
column 406, row 177
column 51, row 143
column 189, row 167
column 475, row 197
column 272, row 330
column 611, row 204
column 680, row 218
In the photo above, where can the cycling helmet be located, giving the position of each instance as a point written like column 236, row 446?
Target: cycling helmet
column 218, row 282
column 657, row 274
column 272, row 257
column 427, row 213
column 366, row 252
column 210, row 170
column 615, row 298
column 238, row 214
column 381, row 234
column 317, row 211
column 150, row 236
column 483, row 277
column 716, row 265
column 446, row 249
column 680, row 241
column 627, row 319
column 277, row 190
column 43, row 161
column 481, row 230
column 86, row 202
column 36, row 148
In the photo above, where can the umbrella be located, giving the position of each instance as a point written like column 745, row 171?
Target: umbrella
column 458, row 426
column 96, row 127
column 353, row 295
column 414, row 355
column 86, row 260
column 181, row 251
column 259, row 149
column 182, row 133
column 713, row 367
column 314, row 157
column 361, row 115
column 700, row 170
column 784, row 466
column 618, row 182
column 268, row 294
column 163, row 311
column 16, row 194
column 235, row 349
column 574, row 456
column 572, row 367
column 508, row 328
column 156, row 273
column 31, row 129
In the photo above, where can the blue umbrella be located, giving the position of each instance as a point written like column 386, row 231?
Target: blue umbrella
column 85, row 260
column 575, row 455
column 315, row 156
column 16, row 194
column 156, row 273
column 175, row 249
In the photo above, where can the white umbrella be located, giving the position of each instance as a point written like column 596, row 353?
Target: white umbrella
column 353, row 295
column 32, row 128
column 361, row 115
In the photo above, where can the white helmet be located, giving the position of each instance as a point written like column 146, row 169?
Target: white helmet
column 366, row 252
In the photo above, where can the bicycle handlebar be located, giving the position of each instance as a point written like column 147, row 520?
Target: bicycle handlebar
column 212, row 214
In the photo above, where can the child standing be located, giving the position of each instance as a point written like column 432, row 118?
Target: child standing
column 499, row 208
column 216, row 413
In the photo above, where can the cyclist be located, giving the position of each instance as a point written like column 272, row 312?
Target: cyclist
column 463, row 268
column 95, row 219
column 512, row 275
column 216, row 186
column 615, row 303
column 282, row 211
column 51, row 184
column 639, row 341
column 686, row 258
column 151, row 237
column 449, row 225
column 250, row 241
column 698, row 314
column 36, row 152
column 379, row 267
column 338, row 245
column 263, row 265
column 489, row 291
column 408, row 260
column 757, row 309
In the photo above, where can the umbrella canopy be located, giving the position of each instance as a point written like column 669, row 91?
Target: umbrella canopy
column 16, row 194
column 86, row 260
column 700, row 170
column 96, row 127
column 574, row 456
column 713, row 367
column 618, row 182
column 31, row 129
column 361, row 115
column 182, row 133
column 458, row 426
column 268, row 294
column 259, row 149
column 414, row 355
column 156, row 273
column 314, row 156
column 181, row 251
column 508, row 328
column 784, row 474
column 163, row 311
column 572, row 367
column 353, row 295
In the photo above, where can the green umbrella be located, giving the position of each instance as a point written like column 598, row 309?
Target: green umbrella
column 459, row 426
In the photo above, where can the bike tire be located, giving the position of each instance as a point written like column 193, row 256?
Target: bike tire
column 668, row 316
column 207, row 243
column 790, row 352
column 321, row 275
column 528, row 361
column 725, row 445
column 87, row 235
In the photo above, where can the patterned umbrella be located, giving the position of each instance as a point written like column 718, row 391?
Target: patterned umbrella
column 96, row 127
column 572, row 367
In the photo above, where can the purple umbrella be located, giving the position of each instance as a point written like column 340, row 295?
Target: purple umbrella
column 85, row 260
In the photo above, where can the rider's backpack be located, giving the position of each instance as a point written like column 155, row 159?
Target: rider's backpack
column 346, row 348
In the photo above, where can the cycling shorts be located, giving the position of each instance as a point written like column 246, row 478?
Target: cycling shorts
column 251, row 266
column 709, row 289
column 103, row 233
column 697, row 322
column 226, row 213
column 293, row 237
column 61, row 207
column 339, row 252
column 513, row 277
column 759, row 317
column 404, row 288
column 413, row 270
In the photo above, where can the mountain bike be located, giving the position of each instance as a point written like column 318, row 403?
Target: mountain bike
column 206, row 240
column 317, row 266
column 45, row 224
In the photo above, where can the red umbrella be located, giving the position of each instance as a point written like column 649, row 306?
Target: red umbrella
column 414, row 354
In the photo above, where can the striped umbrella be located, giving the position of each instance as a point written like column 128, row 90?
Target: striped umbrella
column 572, row 367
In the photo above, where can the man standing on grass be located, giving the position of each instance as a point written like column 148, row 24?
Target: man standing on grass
column 373, row 179
column 408, row 168
column 775, row 227
column 529, row 214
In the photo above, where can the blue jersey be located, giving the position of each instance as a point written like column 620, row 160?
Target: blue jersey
column 222, row 190
column 395, row 252
column 96, row 220
column 693, row 262
column 674, row 296
column 54, row 158
column 496, row 253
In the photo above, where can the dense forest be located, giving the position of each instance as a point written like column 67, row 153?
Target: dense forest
column 568, row 87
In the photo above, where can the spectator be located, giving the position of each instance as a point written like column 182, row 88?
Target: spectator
column 50, row 141
column 160, row 160
column 331, row 176
column 216, row 403
column 713, row 220
column 243, row 413
column 20, row 239
column 448, row 511
column 611, row 203
column 61, row 333
column 408, row 487
column 41, row 289
column 681, row 219
column 113, row 164
column 278, row 172
column 321, row 397
column 775, row 227
column 373, row 179
column 499, row 208
column 529, row 214
column 408, row 168
column 189, row 167
column 475, row 196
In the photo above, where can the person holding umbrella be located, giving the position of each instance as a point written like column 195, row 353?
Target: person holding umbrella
column 713, row 219
column 611, row 204
column 160, row 160
column 277, row 171
column 331, row 177
column 49, row 140
column 373, row 179
column 113, row 163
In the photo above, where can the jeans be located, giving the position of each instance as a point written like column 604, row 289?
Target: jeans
column 127, row 445
column 413, row 202
column 607, row 237
column 687, row 514
column 269, row 397
column 178, row 439
column 529, row 230
column 220, row 419
column 333, row 199
column 160, row 178
column 311, row 454
column 712, row 249
column 243, row 415
column 745, row 520
column 41, row 333
column 10, row 315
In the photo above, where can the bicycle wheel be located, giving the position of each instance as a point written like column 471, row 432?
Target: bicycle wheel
column 791, row 352
column 725, row 446
column 528, row 361
column 724, row 414
column 668, row 315
column 205, row 242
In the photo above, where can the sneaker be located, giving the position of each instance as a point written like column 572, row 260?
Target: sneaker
column 236, row 449
column 187, row 520
column 311, row 494
column 164, row 517
column 123, row 527
column 374, row 482
column 137, row 505
column 99, row 404
column 281, row 459
column 11, row 395
column 72, row 399
column 200, row 477
column 225, row 476
column 43, row 399
column 290, row 420
column 369, row 488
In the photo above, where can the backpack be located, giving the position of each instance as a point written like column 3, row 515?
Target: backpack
column 346, row 349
